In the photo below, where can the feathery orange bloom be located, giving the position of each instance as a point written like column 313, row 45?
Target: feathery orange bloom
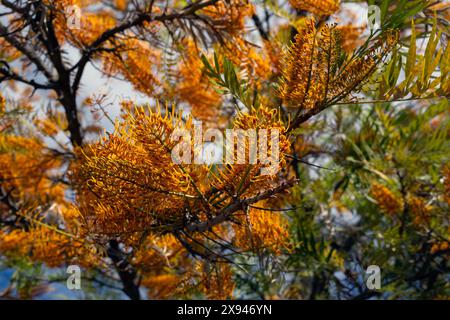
column 387, row 201
column 318, row 7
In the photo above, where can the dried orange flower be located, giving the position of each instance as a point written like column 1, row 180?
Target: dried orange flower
column 121, row 4
column 386, row 199
column 47, row 126
column 351, row 36
column 262, row 230
column 230, row 15
column 318, row 7
column 439, row 247
column 249, row 175
column 420, row 209
column 133, row 169
column 195, row 87
column 162, row 286
column 2, row 104
column 44, row 242
column 217, row 282
column 313, row 74
column 137, row 65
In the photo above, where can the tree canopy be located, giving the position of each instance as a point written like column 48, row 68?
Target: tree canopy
column 358, row 118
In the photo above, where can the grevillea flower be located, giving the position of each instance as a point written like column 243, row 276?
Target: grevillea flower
column 388, row 202
column 317, row 7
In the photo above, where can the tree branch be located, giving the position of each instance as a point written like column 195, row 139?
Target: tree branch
column 238, row 204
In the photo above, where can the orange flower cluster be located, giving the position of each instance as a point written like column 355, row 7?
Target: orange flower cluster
column 273, row 50
column 217, row 282
column 169, row 272
column 137, row 65
column 130, row 183
column 317, row 7
column 68, row 12
column 420, row 209
column 297, row 72
column 133, row 171
column 47, row 126
column 350, row 36
column 37, row 204
column 25, row 169
column 310, row 65
column 121, row 4
column 195, row 87
column 92, row 26
column 130, row 188
column 440, row 247
column 313, row 73
column 249, row 177
column 163, row 286
column 46, row 243
column 155, row 253
column 262, row 230
column 388, row 202
column 164, row 263
column 2, row 104
column 229, row 16
column 254, row 63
